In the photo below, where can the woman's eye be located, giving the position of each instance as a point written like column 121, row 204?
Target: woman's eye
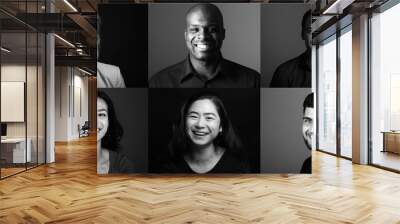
column 209, row 118
column 102, row 115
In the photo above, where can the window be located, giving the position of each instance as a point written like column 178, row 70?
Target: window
column 327, row 95
column 385, row 88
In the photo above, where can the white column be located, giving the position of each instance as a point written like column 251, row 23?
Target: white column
column 360, row 90
column 50, row 93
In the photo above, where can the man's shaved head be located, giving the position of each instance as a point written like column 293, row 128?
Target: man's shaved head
column 206, row 10
column 204, row 32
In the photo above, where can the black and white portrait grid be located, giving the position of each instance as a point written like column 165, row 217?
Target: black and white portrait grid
column 260, row 128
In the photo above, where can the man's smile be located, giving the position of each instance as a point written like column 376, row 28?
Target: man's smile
column 203, row 46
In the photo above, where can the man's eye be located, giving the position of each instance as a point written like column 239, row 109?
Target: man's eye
column 213, row 29
column 192, row 116
column 194, row 30
column 210, row 118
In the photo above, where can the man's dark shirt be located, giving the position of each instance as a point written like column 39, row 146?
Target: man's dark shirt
column 228, row 75
column 294, row 73
column 306, row 167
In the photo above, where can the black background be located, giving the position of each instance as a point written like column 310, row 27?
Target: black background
column 242, row 106
column 123, row 32
column 131, row 110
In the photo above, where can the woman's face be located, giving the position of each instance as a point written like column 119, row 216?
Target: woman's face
column 102, row 118
column 203, row 123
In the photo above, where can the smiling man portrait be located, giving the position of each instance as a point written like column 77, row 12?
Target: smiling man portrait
column 205, row 66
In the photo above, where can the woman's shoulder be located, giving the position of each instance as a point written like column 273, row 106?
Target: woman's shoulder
column 120, row 163
column 231, row 163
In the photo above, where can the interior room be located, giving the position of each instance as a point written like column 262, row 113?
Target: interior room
column 48, row 156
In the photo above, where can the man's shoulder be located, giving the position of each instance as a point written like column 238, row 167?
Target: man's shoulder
column 173, row 69
column 291, row 63
column 240, row 69
column 166, row 75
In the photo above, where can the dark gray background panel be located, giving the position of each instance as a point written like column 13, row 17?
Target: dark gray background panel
column 131, row 110
column 280, row 36
column 282, row 146
column 167, row 24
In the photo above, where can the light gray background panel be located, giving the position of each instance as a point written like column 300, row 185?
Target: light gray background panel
column 282, row 146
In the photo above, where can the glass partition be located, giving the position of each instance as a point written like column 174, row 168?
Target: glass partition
column 385, row 89
column 22, row 64
column 13, row 90
column 31, row 98
column 346, row 72
column 327, row 95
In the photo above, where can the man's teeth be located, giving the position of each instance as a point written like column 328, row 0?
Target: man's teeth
column 202, row 46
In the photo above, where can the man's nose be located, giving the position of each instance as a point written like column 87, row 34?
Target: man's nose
column 203, row 33
column 311, row 129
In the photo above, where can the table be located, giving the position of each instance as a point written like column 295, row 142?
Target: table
column 16, row 147
column 391, row 141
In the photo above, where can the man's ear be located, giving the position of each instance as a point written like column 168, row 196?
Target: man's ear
column 184, row 33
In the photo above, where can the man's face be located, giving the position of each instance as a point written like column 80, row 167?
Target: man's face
column 306, row 33
column 308, row 122
column 204, row 34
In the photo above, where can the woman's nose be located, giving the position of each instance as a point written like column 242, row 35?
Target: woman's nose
column 200, row 123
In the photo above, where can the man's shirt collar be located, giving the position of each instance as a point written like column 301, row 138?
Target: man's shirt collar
column 189, row 70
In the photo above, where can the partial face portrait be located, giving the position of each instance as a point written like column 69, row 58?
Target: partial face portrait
column 308, row 120
column 203, row 123
column 204, row 131
column 121, row 131
column 102, row 118
column 286, row 52
column 204, row 32
column 308, row 123
column 306, row 29
column 122, row 45
column 286, row 130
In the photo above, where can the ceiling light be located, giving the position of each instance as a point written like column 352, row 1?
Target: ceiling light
column 5, row 50
column 64, row 40
column 70, row 5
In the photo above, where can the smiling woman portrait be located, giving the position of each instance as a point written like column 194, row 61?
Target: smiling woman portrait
column 109, row 134
column 204, row 140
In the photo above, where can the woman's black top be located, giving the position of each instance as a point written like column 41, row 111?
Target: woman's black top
column 119, row 163
column 228, row 163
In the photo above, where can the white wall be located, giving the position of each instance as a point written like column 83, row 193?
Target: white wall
column 71, row 102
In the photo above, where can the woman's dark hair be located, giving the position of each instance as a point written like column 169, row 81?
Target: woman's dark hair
column 180, row 143
column 114, row 132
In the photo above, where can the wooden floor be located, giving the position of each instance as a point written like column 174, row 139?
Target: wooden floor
column 386, row 159
column 70, row 191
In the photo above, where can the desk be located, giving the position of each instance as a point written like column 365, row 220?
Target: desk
column 16, row 147
column 391, row 141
